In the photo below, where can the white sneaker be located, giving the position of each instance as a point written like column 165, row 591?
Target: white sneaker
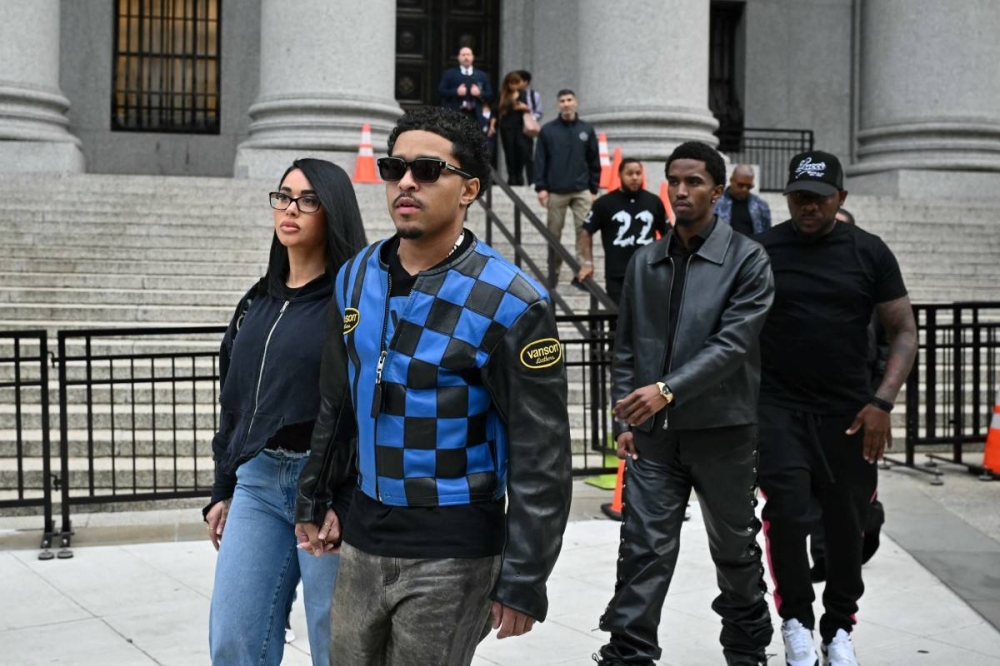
column 289, row 635
column 840, row 651
column 799, row 647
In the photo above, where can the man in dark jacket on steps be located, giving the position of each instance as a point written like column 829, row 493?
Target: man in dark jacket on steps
column 567, row 173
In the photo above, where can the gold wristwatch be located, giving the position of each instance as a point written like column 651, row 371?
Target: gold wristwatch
column 665, row 392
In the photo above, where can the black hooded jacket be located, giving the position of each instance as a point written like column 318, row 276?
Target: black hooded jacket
column 269, row 373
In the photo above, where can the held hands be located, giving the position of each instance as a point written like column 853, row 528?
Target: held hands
column 322, row 539
column 476, row 92
column 462, row 90
column 878, row 431
column 509, row 621
column 639, row 405
column 216, row 519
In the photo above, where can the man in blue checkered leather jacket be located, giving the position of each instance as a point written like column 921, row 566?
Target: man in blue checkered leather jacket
column 445, row 395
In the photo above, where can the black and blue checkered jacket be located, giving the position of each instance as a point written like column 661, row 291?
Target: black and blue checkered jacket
column 432, row 435
column 459, row 395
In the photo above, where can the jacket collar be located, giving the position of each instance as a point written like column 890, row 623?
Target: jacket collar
column 713, row 249
column 448, row 263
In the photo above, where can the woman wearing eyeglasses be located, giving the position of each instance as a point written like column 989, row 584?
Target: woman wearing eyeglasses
column 269, row 373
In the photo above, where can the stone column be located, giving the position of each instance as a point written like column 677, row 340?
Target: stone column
column 33, row 122
column 644, row 74
column 929, row 119
column 326, row 68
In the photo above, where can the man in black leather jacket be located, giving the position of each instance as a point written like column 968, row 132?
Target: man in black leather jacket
column 686, row 377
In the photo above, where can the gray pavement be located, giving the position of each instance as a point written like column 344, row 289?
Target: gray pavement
column 147, row 603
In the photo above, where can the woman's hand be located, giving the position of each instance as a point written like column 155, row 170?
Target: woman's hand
column 216, row 519
column 521, row 106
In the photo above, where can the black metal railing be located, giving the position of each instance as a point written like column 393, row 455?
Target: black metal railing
column 951, row 390
column 140, row 407
column 599, row 298
column 769, row 149
column 138, row 412
column 26, row 477
column 588, row 370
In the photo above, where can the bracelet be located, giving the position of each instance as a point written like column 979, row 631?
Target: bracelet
column 884, row 405
column 587, row 263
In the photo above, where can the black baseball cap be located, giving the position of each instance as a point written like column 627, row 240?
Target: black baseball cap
column 815, row 171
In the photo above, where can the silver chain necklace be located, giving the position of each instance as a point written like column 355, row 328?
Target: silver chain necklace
column 461, row 237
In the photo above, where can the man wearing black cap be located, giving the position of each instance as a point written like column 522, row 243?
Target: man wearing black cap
column 822, row 427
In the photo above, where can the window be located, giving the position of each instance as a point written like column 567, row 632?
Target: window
column 166, row 66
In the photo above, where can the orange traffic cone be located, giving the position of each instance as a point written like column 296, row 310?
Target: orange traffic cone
column 615, row 181
column 602, row 148
column 643, row 176
column 665, row 198
column 614, row 510
column 364, row 168
column 991, row 458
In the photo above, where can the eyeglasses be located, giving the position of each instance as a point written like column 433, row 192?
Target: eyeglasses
column 307, row 203
column 424, row 169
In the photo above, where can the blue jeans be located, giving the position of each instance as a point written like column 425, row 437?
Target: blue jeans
column 259, row 567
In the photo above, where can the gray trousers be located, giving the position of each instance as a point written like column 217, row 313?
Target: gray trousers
column 390, row 611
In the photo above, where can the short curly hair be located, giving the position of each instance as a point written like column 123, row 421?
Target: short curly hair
column 468, row 143
column 696, row 150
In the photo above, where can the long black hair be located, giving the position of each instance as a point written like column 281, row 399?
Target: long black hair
column 345, row 231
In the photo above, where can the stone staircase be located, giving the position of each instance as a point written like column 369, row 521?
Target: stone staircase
column 97, row 251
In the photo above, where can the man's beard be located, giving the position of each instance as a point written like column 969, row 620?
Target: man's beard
column 412, row 233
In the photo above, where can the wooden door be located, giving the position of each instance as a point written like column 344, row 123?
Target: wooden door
column 428, row 36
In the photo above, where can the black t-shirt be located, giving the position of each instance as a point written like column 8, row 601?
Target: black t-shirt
column 627, row 221
column 467, row 531
column 814, row 346
column 739, row 217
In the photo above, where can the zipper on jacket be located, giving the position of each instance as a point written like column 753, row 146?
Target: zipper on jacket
column 378, row 396
column 263, row 360
column 677, row 328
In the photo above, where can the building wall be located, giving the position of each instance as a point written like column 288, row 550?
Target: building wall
column 85, row 77
column 798, row 69
column 544, row 38
column 797, row 74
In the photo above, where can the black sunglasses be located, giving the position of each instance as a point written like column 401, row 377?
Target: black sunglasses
column 424, row 169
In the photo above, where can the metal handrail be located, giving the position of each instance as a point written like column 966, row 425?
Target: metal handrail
column 597, row 295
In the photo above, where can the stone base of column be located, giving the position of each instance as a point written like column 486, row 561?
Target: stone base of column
column 651, row 135
column 40, row 157
column 270, row 163
column 926, row 184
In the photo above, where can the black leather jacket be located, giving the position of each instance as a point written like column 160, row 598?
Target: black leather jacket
column 715, row 370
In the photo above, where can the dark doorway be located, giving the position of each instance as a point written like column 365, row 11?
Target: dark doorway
column 723, row 66
column 429, row 34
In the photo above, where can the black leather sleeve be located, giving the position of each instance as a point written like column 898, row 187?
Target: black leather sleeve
column 328, row 477
column 738, row 330
column 623, row 359
column 532, row 402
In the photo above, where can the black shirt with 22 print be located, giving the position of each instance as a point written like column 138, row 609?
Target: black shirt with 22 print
column 814, row 346
column 627, row 221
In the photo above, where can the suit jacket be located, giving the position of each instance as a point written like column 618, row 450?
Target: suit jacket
column 452, row 78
